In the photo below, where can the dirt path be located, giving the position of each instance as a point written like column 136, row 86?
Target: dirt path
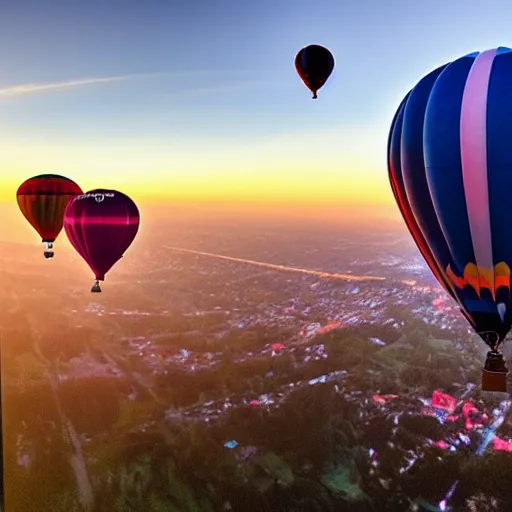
column 76, row 458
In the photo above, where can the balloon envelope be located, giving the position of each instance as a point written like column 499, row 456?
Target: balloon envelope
column 449, row 163
column 314, row 64
column 101, row 225
column 43, row 200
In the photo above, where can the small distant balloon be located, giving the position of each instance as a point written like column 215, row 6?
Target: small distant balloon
column 43, row 200
column 314, row 64
column 101, row 224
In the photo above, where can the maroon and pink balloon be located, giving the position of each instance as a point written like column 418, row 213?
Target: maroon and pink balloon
column 101, row 224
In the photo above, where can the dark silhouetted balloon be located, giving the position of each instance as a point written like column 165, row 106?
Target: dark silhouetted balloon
column 43, row 200
column 101, row 225
column 450, row 167
column 314, row 64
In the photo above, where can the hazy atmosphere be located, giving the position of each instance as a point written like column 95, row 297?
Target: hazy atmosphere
column 282, row 326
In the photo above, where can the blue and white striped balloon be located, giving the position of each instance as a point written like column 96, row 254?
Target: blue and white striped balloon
column 450, row 167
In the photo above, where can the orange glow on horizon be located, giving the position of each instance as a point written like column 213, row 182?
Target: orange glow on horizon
column 337, row 166
column 283, row 189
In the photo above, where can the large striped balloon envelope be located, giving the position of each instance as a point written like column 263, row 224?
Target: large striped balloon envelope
column 43, row 200
column 450, row 167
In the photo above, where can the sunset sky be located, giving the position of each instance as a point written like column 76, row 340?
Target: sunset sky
column 199, row 100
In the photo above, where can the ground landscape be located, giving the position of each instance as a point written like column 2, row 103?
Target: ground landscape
column 262, row 366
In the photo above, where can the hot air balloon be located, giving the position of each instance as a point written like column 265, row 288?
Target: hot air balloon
column 43, row 200
column 449, row 163
column 314, row 64
column 101, row 225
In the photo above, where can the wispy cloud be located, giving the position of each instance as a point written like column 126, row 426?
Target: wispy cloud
column 19, row 90
column 33, row 88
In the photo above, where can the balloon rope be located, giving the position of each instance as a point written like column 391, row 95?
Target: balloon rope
column 492, row 339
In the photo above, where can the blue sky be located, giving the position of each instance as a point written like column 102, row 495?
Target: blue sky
column 380, row 48
column 218, row 78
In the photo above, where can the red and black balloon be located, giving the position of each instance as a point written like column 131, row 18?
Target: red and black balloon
column 314, row 64
column 43, row 200
column 101, row 224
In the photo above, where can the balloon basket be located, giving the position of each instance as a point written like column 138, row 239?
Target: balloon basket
column 96, row 287
column 494, row 374
column 48, row 250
